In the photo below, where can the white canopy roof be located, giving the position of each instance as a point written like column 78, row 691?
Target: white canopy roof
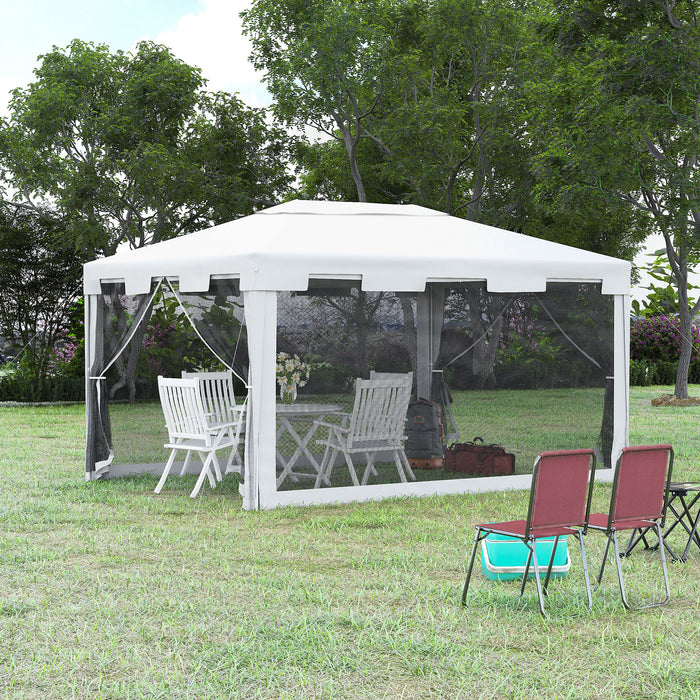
column 389, row 247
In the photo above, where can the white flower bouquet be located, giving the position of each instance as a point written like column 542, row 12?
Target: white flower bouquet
column 291, row 373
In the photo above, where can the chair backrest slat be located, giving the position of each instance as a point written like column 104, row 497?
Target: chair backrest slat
column 561, row 489
column 640, row 487
column 217, row 394
column 392, row 375
column 380, row 409
column 185, row 417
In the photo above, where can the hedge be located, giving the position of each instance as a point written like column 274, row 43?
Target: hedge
column 28, row 390
column 23, row 389
column 648, row 372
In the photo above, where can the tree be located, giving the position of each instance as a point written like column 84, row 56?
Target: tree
column 323, row 173
column 453, row 118
column 624, row 125
column 327, row 64
column 131, row 151
column 40, row 278
column 662, row 299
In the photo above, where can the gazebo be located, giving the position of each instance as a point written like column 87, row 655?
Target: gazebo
column 351, row 287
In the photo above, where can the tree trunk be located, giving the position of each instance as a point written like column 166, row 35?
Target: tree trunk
column 357, row 177
column 127, row 370
column 484, row 354
column 485, row 357
column 351, row 142
column 362, row 328
column 681, row 389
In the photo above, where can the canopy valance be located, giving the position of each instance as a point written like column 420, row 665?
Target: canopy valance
column 387, row 247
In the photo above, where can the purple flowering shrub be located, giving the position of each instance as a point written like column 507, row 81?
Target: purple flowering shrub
column 63, row 359
column 658, row 338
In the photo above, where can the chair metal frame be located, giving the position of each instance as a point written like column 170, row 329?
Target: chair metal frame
column 560, row 501
column 639, row 500
column 377, row 424
column 220, row 405
column 192, row 430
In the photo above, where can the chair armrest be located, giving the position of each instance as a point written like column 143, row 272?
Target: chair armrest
column 223, row 424
column 344, row 419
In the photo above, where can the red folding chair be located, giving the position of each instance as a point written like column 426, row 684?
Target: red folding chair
column 639, row 500
column 560, row 500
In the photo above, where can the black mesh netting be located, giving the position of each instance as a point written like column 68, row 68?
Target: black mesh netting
column 529, row 371
column 140, row 337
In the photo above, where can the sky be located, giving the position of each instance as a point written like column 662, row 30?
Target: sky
column 203, row 33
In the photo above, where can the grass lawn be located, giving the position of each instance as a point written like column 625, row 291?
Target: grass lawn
column 108, row 591
column 555, row 419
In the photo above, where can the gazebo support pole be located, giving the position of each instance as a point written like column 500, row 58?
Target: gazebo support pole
column 622, row 368
column 259, row 488
column 429, row 319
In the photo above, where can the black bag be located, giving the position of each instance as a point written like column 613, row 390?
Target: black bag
column 424, row 431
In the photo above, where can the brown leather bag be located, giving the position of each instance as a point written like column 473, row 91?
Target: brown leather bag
column 479, row 459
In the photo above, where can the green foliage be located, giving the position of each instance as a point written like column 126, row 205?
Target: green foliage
column 24, row 388
column 528, row 362
column 324, row 173
column 390, row 355
column 327, row 64
column 170, row 343
column 40, row 279
column 329, row 378
column 167, row 338
column 452, row 120
column 660, row 372
column 618, row 118
column 132, row 150
column 436, row 104
column 663, row 299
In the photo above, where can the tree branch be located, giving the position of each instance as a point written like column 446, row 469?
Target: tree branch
column 668, row 11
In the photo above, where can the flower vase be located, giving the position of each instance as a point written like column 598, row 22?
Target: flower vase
column 288, row 393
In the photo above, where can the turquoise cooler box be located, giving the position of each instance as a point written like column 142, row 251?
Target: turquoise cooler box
column 503, row 558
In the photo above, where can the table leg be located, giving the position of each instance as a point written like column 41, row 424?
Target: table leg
column 692, row 531
column 302, row 447
column 682, row 516
column 635, row 539
column 286, row 464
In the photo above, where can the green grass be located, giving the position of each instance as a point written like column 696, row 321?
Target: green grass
column 555, row 419
column 108, row 591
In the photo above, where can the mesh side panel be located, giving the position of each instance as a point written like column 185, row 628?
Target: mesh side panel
column 530, row 371
column 329, row 337
column 167, row 345
column 527, row 371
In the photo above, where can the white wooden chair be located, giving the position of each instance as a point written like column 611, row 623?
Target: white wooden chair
column 190, row 429
column 376, row 425
column 216, row 389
